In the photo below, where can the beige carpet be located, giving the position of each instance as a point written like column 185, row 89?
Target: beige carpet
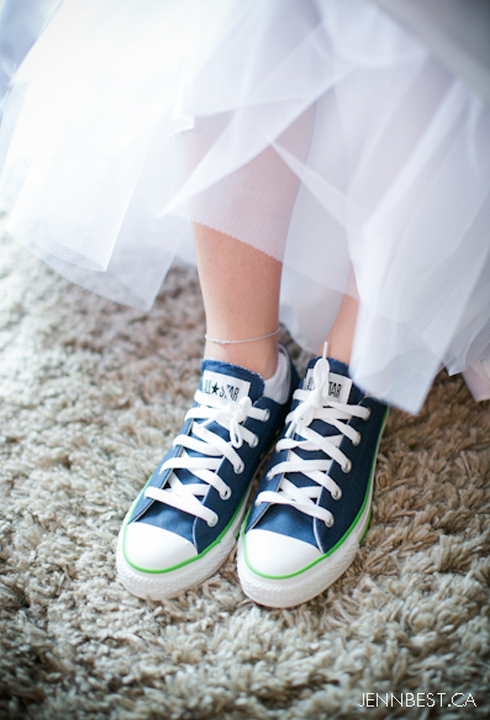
column 91, row 396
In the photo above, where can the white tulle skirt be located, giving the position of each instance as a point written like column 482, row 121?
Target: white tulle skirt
column 319, row 132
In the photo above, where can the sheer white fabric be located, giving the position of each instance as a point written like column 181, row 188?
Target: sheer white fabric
column 20, row 26
column 318, row 132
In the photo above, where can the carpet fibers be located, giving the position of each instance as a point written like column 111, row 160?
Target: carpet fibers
column 92, row 394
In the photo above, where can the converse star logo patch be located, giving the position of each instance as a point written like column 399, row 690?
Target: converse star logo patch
column 338, row 386
column 224, row 387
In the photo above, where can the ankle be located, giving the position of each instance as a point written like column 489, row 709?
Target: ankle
column 260, row 356
column 338, row 351
column 341, row 336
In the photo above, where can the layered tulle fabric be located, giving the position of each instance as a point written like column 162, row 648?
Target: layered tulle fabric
column 321, row 133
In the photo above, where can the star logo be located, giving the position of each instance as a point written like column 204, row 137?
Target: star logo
column 215, row 388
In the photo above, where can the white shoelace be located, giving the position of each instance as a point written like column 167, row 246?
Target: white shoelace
column 313, row 405
column 212, row 449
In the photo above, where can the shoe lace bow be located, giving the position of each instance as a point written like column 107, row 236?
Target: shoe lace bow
column 211, row 449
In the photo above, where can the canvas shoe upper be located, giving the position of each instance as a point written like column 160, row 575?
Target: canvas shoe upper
column 313, row 502
column 185, row 521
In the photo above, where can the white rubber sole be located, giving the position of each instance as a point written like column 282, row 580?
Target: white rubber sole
column 158, row 585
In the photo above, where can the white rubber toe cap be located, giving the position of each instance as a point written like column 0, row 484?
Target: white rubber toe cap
column 275, row 555
column 152, row 548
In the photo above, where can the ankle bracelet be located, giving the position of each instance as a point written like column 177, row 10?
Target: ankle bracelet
column 237, row 342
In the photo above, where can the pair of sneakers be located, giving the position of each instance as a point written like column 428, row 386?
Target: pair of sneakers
column 313, row 502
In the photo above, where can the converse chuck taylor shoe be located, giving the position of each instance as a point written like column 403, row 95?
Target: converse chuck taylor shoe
column 314, row 501
column 184, row 523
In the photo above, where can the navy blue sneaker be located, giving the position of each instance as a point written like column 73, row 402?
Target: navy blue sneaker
column 185, row 521
column 313, row 503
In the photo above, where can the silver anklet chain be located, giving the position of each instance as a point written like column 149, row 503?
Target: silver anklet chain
column 237, row 342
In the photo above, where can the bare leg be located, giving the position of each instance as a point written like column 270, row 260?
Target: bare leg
column 240, row 287
column 341, row 335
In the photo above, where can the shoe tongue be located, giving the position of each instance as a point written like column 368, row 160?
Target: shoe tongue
column 226, row 382
column 339, row 382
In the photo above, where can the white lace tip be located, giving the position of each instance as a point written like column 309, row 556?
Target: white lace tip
column 325, row 348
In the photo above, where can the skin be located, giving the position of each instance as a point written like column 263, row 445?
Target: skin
column 240, row 287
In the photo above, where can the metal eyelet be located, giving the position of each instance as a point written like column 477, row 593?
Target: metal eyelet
column 226, row 494
column 329, row 523
column 240, row 468
column 337, row 494
column 347, row 467
column 357, row 439
column 254, row 442
column 267, row 415
column 212, row 522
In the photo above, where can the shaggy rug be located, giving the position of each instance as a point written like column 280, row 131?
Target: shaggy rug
column 92, row 394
